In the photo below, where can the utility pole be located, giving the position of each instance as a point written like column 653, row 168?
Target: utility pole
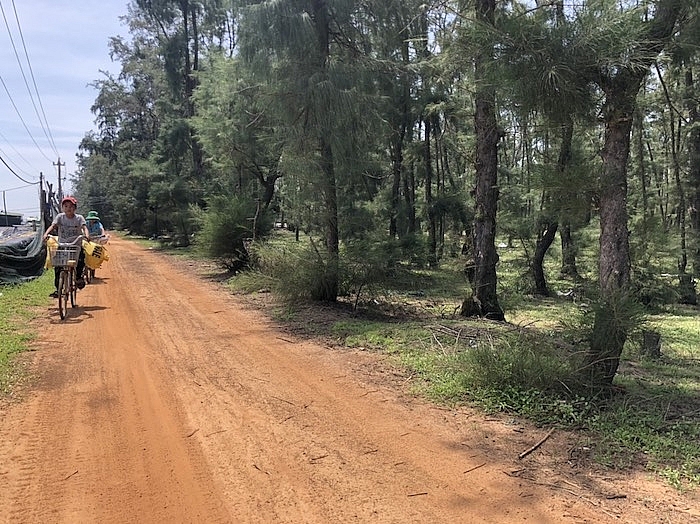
column 60, row 189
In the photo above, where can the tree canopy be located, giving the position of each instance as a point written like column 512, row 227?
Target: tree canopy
column 422, row 125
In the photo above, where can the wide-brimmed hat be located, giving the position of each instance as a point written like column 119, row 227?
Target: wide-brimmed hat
column 92, row 215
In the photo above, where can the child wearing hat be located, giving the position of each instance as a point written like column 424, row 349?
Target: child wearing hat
column 70, row 225
column 94, row 225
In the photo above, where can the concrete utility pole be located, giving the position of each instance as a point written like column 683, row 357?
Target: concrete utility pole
column 60, row 189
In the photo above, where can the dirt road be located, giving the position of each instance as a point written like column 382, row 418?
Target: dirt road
column 162, row 399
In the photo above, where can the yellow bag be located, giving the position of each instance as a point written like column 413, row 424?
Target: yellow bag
column 51, row 247
column 95, row 254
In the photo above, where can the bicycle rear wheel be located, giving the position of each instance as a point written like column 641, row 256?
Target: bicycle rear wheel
column 63, row 292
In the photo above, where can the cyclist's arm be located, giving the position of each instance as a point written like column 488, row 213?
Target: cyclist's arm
column 48, row 230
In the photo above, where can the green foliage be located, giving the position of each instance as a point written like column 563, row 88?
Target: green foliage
column 18, row 304
column 652, row 288
column 523, row 363
column 226, row 226
column 531, row 373
column 295, row 271
column 412, row 248
column 655, row 423
column 364, row 265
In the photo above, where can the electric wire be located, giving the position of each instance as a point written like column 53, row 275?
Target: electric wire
column 19, row 155
column 13, row 172
column 16, row 167
column 22, row 119
column 36, row 89
column 16, row 188
column 24, row 76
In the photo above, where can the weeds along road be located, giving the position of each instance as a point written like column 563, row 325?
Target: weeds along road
column 162, row 399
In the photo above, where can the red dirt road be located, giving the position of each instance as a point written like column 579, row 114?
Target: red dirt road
column 163, row 399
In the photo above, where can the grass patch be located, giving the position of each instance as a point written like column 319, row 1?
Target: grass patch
column 18, row 305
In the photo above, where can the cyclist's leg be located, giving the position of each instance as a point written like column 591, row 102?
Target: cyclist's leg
column 80, row 281
column 56, row 274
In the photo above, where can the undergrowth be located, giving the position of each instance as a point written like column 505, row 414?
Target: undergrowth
column 528, row 367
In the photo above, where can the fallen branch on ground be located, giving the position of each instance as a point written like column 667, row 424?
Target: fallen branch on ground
column 533, row 448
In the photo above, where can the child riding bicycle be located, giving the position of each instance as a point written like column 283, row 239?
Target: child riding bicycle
column 70, row 226
column 97, row 230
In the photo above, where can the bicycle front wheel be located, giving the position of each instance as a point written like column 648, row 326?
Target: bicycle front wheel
column 73, row 288
column 63, row 292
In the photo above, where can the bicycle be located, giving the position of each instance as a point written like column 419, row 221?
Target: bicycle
column 65, row 257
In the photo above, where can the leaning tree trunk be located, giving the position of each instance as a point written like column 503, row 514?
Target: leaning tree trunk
column 548, row 227
column 545, row 237
column 484, row 300
column 621, row 86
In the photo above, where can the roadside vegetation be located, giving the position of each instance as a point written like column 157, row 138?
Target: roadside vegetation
column 527, row 367
column 18, row 305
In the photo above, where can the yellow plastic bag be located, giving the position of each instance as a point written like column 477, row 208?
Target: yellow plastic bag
column 95, row 254
column 51, row 247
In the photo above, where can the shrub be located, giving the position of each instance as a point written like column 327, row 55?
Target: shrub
column 227, row 226
column 293, row 270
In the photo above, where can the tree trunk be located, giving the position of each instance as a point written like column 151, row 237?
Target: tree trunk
column 548, row 226
column 620, row 87
column 330, row 283
column 609, row 332
column 432, row 222
column 568, row 252
column 694, row 167
column 639, row 134
column 544, row 240
column 331, row 277
column 396, row 149
column 484, row 300
column 651, row 344
column 191, row 66
column 410, row 197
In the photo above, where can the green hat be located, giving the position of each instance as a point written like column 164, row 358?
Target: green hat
column 92, row 215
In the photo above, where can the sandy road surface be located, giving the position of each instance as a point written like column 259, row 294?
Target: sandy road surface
column 161, row 399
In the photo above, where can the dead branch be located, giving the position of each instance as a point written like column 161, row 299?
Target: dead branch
column 533, row 448
column 475, row 467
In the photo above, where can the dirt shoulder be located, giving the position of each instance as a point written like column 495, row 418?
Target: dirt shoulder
column 163, row 398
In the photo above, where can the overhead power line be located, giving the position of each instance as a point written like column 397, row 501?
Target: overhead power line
column 18, row 154
column 13, row 172
column 47, row 131
column 44, row 127
column 16, row 188
column 22, row 120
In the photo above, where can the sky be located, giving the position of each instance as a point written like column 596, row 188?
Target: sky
column 66, row 43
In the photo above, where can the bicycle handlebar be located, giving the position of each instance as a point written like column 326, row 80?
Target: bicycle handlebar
column 77, row 242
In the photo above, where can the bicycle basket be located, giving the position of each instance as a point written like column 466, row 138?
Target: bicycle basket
column 63, row 254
